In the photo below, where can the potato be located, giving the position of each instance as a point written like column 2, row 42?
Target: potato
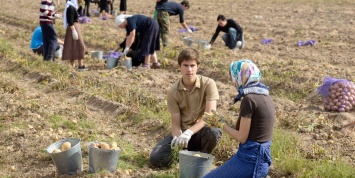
column 113, row 145
column 56, row 150
column 104, row 146
column 94, row 144
column 197, row 155
column 115, row 148
column 333, row 96
column 334, row 108
column 66, row 146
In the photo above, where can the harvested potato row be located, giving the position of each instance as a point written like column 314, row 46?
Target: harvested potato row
column 341, row 97
column 105, row 146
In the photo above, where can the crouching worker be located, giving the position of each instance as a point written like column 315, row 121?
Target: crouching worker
column 187, row 100
column 37, row 43
column 233, row 37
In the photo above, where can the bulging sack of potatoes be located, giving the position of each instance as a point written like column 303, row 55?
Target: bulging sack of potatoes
column 339, row 94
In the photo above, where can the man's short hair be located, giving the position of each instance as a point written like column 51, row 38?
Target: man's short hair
column 221, row 17
column 186, row 3
column 189, row 54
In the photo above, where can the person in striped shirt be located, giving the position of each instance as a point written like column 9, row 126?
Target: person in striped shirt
column 46, row 17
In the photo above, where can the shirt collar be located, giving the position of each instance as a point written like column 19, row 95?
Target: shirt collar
column 181, row 86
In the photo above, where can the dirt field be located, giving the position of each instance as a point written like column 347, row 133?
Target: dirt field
column 30, row 101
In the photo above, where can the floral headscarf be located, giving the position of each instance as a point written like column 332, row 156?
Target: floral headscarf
column 248, row 78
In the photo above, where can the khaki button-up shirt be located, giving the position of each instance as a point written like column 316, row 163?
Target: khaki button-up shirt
column 191, row 104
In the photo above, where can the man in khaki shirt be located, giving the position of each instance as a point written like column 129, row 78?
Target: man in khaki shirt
column 188, row 99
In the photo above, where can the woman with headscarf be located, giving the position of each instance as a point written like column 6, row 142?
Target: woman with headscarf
column 148, row 30
column 74, row 48
column 254, row 126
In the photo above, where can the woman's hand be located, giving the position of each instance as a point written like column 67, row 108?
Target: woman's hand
column 214, row 119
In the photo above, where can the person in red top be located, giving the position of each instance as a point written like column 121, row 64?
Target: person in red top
column 46, row 17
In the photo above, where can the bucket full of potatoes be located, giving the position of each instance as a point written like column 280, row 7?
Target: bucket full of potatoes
column 66, row 155
column 103, row 156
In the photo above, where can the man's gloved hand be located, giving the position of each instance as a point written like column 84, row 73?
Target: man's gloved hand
column 111, row 51
column 75, row 35
column 214, row 119
column 58, row 16
column 184, row 138
column 189, row 30
column 208, row 46
column 173, row 142
column 239, row 44
column 125, row 51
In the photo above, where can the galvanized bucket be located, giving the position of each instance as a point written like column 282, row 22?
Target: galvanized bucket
column 69, row 161
column 191, row 166
column 114, row 13
column 100, row 159
column 111, row 62
column 96, row 14
column 127, row 62
column 96, row 55
column 188, row 41
column 58, row 53
column 202, row 44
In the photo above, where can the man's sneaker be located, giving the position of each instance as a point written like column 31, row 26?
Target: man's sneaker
column 82, row 68
column 155, row 65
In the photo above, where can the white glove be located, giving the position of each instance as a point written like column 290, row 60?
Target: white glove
column 125, row 51
column 239, row 44
column 189, row 30
column 173, row 142
column 58, row 16
column 184, row 138
column 111, row 51
column 208, row 46
column 75, row 35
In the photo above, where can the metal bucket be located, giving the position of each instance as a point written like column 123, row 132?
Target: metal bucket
column 192, row 166
column 188, row 41
column 59, row 52
column 100, row 159
column 127, row 62
column 96, row 14
column 114, row 13
column 96, row 55
column 202, row 44
column 111, row 62
column 69, row 161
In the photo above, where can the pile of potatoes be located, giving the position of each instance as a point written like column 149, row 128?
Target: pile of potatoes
column 341, row 97
column 64, row 147
column 105, row 146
